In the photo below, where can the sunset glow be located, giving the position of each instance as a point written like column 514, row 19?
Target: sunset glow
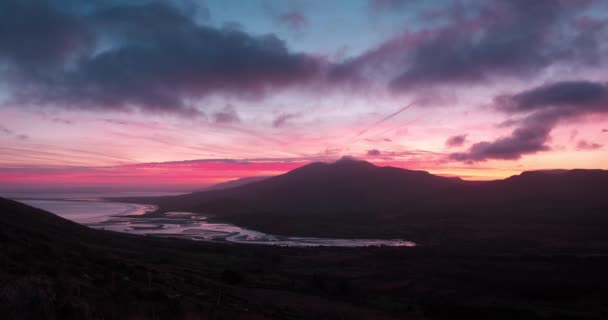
column 179, row 95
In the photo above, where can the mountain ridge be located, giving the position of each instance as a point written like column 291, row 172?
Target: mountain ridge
column 352, row 198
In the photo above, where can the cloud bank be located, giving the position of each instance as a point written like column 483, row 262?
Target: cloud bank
column 147, row 56
column 545, row 107
column 478, row 42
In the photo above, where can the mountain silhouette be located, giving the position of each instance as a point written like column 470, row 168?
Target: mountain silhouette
column 235, row 183
column 351, row 198
column 346, row 185
column 359, row 186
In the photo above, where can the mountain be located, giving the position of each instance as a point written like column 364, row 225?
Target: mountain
column 351, row 198
column 235, row 183
column 580, row 190
column 346, row 185
column 360, row 187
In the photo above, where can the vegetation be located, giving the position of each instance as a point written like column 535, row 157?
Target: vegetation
column 51, row 268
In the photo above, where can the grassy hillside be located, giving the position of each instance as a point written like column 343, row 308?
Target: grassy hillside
column 51, row 268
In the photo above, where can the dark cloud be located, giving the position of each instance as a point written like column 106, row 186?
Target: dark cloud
column 585, row 145
column 546, row 106
column 474, row 42
column 159, row 57
column 456, row 141
column 527, row 139
column 569, row 96
column 508, row 123
column 22, row 137
column 374, row 153
column 282, row 119
column 227, row 115
column 510, row 42
column 195, row 8
column 604, row 130
column 36, row 36
column 151, row 57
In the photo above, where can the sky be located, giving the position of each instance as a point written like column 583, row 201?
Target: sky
column 180, row 94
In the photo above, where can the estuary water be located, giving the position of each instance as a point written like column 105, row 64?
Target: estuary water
column 125, row 217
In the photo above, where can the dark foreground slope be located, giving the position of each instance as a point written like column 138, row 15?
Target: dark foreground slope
column 357, row 199
column 51, row 268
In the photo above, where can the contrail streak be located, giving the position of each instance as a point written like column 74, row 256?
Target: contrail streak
column 392, row 115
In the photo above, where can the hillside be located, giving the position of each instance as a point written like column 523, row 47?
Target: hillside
column 352, row 198
column 51, row 268
column 235, row 183
column 346, row 185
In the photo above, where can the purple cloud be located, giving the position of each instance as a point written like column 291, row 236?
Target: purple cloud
column 282, row 119
column 155, row 57
column 150, row 57
column 227, row 115
column 547, row 105
column 373, row 153
column 529, row 138
column 478, row 42
column 568, row 96
column 456, row 141
column 584, row 145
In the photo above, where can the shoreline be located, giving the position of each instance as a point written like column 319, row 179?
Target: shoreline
column 151, row 221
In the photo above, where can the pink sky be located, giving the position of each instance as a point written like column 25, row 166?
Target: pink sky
column 493, row 88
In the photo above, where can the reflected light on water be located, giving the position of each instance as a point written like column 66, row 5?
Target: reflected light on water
column 124, row 217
